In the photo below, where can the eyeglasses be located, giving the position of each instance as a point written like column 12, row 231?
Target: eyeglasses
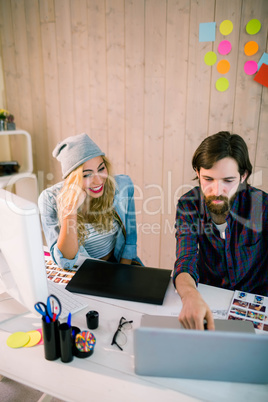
column 120, row 338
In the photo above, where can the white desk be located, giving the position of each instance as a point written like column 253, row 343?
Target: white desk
column 109, row 373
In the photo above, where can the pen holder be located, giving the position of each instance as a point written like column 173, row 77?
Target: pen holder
column 75, row 331
column 66, row 343
column 51, row 339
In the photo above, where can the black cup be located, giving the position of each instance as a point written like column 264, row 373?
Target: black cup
column 51, row 339
column 66, row 342
column 92, row 319
column 75, row 331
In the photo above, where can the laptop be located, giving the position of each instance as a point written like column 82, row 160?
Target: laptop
column 121, row 281
column 233, row 352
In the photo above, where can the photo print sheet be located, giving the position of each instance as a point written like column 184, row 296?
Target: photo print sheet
column 57, row 274
column 250, row 307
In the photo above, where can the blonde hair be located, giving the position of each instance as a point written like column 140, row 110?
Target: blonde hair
column 99, row 211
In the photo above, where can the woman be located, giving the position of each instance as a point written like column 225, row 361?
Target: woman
column 90, row 213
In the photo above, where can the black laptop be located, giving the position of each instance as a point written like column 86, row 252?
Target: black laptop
column 121, row 281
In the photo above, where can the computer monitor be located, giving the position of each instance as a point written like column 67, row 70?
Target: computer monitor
column 22, row 263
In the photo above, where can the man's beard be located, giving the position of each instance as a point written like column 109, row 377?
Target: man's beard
column 219, row 209
column 219, row 212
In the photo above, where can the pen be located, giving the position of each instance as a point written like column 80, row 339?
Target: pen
column 69, row 319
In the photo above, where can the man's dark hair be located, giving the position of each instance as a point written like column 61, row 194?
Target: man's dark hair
column 219, row 146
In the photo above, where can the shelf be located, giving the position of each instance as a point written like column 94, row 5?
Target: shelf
column 16, row 145
column 17, row 148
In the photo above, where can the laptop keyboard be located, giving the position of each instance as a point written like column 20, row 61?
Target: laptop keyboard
column 70, row 303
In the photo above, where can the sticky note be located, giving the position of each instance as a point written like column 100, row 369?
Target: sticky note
column 18, row 340
column 226, row 27
column 251, row 48
column 250, row 67
column 224, row 47
column 263, row 59
column 262, row 75
column 223, row 66
column 253, row 26
column 210, row 58
column 207, row 32
column 222, row 84
column 41, row 342
column 35, row 337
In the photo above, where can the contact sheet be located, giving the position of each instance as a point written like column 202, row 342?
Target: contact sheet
column 250, row 307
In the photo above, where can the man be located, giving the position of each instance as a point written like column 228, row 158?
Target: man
column 221, row 228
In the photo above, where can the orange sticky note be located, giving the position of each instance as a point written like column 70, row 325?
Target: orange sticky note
column 251, row 48
column 223, row 66
column 262, row 75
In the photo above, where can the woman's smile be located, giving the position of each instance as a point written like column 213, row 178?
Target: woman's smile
column 97, row 189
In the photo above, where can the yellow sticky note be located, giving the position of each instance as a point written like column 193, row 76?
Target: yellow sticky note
column 18, row 339
column 226, row 27
column 35, row 337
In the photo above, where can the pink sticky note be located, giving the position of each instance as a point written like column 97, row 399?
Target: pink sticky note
column 250, row 67
column 41, row 342
column 224, row 47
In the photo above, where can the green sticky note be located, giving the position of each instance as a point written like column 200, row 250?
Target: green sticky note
column 253, row 26
column 210, row 58
column 222, row 84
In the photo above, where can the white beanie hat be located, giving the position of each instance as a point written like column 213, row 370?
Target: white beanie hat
column 74, row 151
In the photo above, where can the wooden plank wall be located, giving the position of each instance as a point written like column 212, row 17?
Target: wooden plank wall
column 131, row 74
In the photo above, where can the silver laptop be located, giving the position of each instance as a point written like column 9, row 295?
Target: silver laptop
column 233, row 352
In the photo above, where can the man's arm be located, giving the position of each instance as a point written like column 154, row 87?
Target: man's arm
column 194, row 309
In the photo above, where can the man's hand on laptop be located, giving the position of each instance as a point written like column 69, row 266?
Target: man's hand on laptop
column 194, row 309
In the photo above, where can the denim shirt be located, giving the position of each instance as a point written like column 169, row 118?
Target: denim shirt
column 124, row 206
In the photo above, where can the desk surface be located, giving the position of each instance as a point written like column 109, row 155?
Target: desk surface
column 109, row 372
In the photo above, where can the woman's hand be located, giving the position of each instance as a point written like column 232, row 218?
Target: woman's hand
column 125, row 261
column 73, row 198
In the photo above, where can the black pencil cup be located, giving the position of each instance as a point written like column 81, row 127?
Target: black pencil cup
column 75, row 331
column 51, row 339
column 92, row 319
column 66, row 343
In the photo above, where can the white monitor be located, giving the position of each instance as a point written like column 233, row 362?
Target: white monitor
column 22, row 263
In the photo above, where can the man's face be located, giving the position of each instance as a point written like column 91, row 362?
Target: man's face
column 220, row 184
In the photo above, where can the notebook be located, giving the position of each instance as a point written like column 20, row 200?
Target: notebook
column 233, row 352
column 121, row 281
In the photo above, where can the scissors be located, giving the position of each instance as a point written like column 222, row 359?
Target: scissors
column 51, row 310
column 53, row 307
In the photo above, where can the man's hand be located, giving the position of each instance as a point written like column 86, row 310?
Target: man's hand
column 194, row 309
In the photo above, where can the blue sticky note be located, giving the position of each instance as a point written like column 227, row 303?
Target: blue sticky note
column 263, row 59
column 207, row 31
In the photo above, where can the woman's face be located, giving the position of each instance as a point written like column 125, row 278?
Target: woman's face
column 94, row 177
